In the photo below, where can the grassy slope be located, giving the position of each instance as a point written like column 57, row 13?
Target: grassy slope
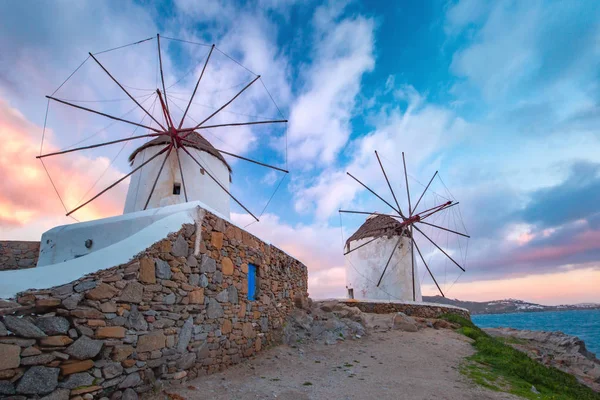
column 500, row 367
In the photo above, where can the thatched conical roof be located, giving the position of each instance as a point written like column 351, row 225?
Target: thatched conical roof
column 198, row 142
column 378, row 226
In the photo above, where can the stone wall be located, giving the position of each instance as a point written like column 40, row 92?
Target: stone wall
column 420, row 310
column 176, row 311
column 16, row 254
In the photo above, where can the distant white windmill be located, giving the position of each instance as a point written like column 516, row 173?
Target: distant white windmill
column 380, row 259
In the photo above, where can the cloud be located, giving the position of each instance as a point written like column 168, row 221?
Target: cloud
column 320, row 117
column 575, row 198
column 26, row 194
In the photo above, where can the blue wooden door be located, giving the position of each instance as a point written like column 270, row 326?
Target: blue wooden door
column 251, row 281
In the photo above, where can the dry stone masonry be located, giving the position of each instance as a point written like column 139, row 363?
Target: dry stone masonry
column 18, row 255
column 178, row 310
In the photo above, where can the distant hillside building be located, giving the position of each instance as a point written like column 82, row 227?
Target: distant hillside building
column 374, row 242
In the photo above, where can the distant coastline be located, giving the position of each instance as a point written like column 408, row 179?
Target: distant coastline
column 508, row 306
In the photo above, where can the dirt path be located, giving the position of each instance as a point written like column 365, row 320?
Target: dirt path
column 384, row 365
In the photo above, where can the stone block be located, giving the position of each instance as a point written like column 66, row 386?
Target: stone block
column 101, row 292
column 77, row 366
column 147, row 270
column 185, row 335
column 153, row 341
column 197, row 296
column 9, row 356
column 110, row 332
column 216, row 240
column 163, row 269
column 121, row 352
column 133, row 293
column 56, row 341
column 227, row 266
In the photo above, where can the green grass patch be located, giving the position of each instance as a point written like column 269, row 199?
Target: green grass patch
column 498, row 366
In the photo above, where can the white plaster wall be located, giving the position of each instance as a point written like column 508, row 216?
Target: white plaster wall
column 119, row 252
column 198, row 186
column 365, row 265
column 67, row 242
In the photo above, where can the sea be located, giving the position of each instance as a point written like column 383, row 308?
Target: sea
column 584, row 324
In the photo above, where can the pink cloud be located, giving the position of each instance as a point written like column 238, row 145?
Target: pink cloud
column 26, row 194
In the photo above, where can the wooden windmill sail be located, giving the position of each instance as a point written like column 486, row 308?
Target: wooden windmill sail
column 172, row 141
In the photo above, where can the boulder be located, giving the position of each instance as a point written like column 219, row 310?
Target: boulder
column 185, row 335
column 129, row 394
column 23, row 327
column 186, row 361
column 207, row 264
column 53, row 325
column 131, row 380
column 7, row 388
column 404, row 323
column 180, row 247
column 38, row 380
column 214, row 309
column 132, row 293
column 163, row 269
column 84, row 348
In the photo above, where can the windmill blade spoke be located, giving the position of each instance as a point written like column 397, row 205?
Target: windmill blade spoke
column 158, row 175
column 424, row 191
column 223, row 106
column 196, row 87
column 440, row 249
column 103, row 114
column 127, row 93
column 445, row 229
column 117, row 182
column 240, row 157
column 162, row 76
column 410, row 210
column 98, row 145
column 367, row 213
column 426, row 266
column 412, row 261
column 358, row 247
column 436, row 210
column 388, row 261
column 276, row 121
column 181, row 173
column 369, row 189
column 219, row 183
column 389, row 185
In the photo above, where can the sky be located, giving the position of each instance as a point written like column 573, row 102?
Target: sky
column 502, row 98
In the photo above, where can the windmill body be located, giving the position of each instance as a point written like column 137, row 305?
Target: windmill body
column 379, row 239
column 169, row 188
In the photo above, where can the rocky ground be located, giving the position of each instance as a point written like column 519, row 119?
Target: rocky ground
column 336, row 352
column 565, row 352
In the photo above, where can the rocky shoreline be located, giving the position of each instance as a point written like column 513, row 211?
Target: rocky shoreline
column 564, row 352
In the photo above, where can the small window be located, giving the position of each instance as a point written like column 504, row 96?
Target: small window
column 176, row 188
column 252, row 282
